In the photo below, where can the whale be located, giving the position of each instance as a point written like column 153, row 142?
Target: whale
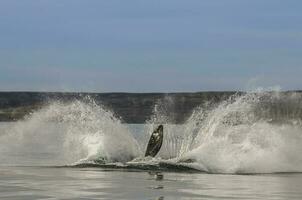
column 155, row 142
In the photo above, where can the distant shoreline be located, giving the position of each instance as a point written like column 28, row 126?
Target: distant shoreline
column 130, row 107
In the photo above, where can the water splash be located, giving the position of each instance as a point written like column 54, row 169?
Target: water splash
column 259, row 132
column 72, row 132
column 254, row 133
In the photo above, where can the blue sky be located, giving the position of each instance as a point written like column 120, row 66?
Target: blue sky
column 150, row 46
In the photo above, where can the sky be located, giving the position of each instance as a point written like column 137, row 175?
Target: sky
column 150, row 45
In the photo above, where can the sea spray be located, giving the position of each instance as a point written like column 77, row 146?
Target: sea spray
column 257, row 132
column 249, row 134
column 69, row 132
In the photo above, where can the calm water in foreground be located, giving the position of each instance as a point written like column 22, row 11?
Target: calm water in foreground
column 94, row 183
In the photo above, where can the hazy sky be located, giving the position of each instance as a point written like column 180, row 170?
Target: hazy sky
column 150, row 45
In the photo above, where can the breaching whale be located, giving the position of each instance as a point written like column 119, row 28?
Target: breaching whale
column 155, row 141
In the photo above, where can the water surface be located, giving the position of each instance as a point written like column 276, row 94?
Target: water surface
column 94, row 183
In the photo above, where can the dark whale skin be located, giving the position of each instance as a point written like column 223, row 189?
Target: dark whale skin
column 155, row 142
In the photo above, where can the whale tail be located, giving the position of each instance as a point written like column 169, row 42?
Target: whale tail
column 155, row 141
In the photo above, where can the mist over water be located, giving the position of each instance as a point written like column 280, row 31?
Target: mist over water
column 259, row 132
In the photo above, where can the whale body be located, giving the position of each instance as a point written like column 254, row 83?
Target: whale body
column 155, row 141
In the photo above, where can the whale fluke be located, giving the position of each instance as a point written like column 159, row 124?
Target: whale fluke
column 155, row 141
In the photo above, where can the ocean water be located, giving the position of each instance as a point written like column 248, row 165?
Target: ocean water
column 96, row 183
column 248, row 147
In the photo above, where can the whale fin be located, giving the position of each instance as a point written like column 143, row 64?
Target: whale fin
column 155, row 141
